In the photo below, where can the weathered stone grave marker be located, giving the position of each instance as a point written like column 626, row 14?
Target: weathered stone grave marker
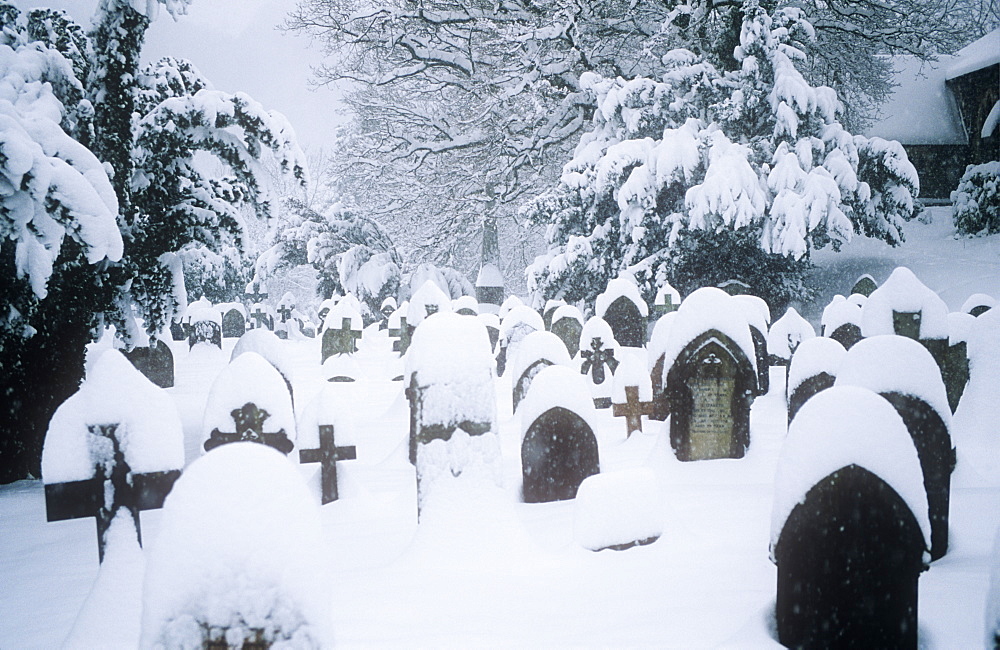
column 978, row 304
column 758, row 316
column 489, row 289
column 269, row 346
column 255, row 292
column 599, row 359
column 864, row 285
column 549, row 311
column 567, row 324
column 155, row 361
column 735, row 287
column 342, row 330
column 466, row 306
column 234, row 321
column 632, row 394
column 814, row 367
column 327, row 455
column 320, row 421
column 261, row 317
column 785, row 335
column 492, row 323
column 622, row 307
column 519, row 321
column 205, row 325
column 285, row 312
column 842, row 321
column 537, row 351
column 399, row 329
column 659, row 338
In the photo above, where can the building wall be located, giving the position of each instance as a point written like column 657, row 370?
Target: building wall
column 939, row 167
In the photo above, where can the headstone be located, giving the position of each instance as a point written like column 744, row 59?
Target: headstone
column 567, row 324
column 341, row 330
column 492, row 323
column 177, row 330
column 489, row 289
column 955, row 369
column 466, row 306
column 622, row 307
column 618, row 510
column 285, row 311
column 115, row 447
column 659, row 338
column 849, row 525
column 558, row 446
column 549, row 311
column 842, row 321
column 904, row 373
column 324, row 309
column 667, row 300
column 711, row 378
column 735, row 287
column 814, row 367
column 519, row 321
column 453, row 431
column 428, row 299
column 248, row 401
column 509, row 303
column 537, row 351
column 864, row 285
column 319, row 423
column 785, row 335
column 206, row 327
column 387, row 308
column 155, row 361
column 599, row 357
column 265, row 343
column 632, row 394
column 758, row 316
column 255, row 292
column 327, row 455
column 978, row 304
column 239, row 559
column 234, row 323
column 261, row 317
column 341, row 368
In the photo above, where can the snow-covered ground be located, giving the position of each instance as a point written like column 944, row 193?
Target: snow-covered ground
column 505, row 573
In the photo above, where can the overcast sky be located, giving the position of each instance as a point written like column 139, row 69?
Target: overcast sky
column 237, row 46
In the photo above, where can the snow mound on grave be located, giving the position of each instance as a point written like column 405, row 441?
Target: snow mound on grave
column 659, row 338
column 451, row 360
column 429, row 294
column 341, row 365
column 240, row 548
column 618, row 508
column 396, row 317
column 150, row 433
column 631, row 372
column 328, row 407
column 618, row 288
column 903, row 292
column 465, row 302
column 537, row 346
column 896, row 364
column 557, row 386
column 858, row 299
column 201, row 314
column 459, row 466
column 788, row 332
column 343, row 309
column 509, row 303
column 567, row 311
column 265, row 343
column 842, row 426
column 248, row 378
column 819, row 354
column 520, row 315
column 757, row 313
column 663, row 292
column 598, row 328
column 839, row 312
column 975, row 423
column 489, row 320
column 960, row 327
column 978, row 300
column 706, row 309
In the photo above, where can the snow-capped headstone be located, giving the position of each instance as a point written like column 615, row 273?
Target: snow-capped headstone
column 711, row 377
column 814, row 368
column 667, row 300
column 631, row 393
column 155, row 361
column 234, row 321
column 978, row 304
column 261, row 317
column 386, row 310
column 489, row 288
column 316, row 437
column 466, row 306
column 864, row 285
column 265, row 343
column 114, row 448
column 509, row 303
column 255, row 292
column 519, row 321
column 537, row 351
column 618, row 510
column 341, row 330
column 399, row 330
column 341, row 368
column 558, row 447
column 600, row 356
column 659, row 338
column 758, row 316
column 549, row 311
column 178, row 330
column 841, row 321
column 904, row 373
column 785, row 335
column 567, row 324
column 622, row 307
column 284, row 312
column 849, row 525
column 735, row 287
column 955, row 371
column 428, row 299
column 249, row 401
column 205, row 326
column 324, row 309
column 239, row 559
column 453, row 431
column 492, row 323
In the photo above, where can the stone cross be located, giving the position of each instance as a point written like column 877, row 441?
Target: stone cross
column 249, row 421
column 327, row 456
column 256, row 296
column 666, row 306
column 260, row 316
column 286, row 313
column 633, row 410
column 348, row 335
column 596, row 358
column 113, row 487
column 402, row 335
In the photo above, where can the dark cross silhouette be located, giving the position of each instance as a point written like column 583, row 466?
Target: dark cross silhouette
column 112, row 488
column 349, row 334
column 666, row 307
column 633, row 410
column 249, row 422
column 402, row 336
column 327, row 456
column 596, row 358
column 286, row 312
column 261, row 317
column 431, row 309
column 256, row 295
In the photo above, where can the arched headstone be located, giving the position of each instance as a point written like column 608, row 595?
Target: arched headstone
column 234, row 324
column 155, row 361
column 567, row 324
column 623, row 308
column 814, row 368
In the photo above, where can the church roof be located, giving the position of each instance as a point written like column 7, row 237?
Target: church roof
column 921, row 109
column 976, row 56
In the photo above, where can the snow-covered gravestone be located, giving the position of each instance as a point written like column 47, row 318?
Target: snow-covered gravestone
column 956, row 370
column 255, row 292
column 269, row 346
column 864, row 285
column 558, row 446
column 509, row 303
column 285, row 311
column 492, row 323
column 234, row 319
column 814, row 368
column 319, row 426
column 600, row 357
column 428, row 299
column 849, row 525
column 978, row 304
column 785, row 335
column 205, row 326
column 711, row 377
column 489, row 288
column 341, row 330
column 632, row 393
column 667, row 300
column 567, row 324
column 115, row 447
column 453, row 432
column 154, row 360
column 248, row 401
column 239, row 559
column 618, row 510
column 537, row 351
column 520, row 321
column 904, row 373
column 466, row 306
column 622, row 307
column 656, row 350
column 549, row 311
column 841, row 321
column 386, row 310
column 758, row 316
column 399, row 329
column 261, row 317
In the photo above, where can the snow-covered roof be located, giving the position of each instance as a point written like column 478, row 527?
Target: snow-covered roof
column 839, row 312
column 557, row 386
column 429, row 294
column 248, row 378
column 617, row 288
column 489, row 276
column 842, row 426
column 903, row 292
column 631, row 372
column 520, row 314
column 708, row 308
column 535, row 347
column 975, row 56
column 896, row 364
column 788, row 331
column 921, row 109
column 816, row 355
column 240, row 542
column 114, row 392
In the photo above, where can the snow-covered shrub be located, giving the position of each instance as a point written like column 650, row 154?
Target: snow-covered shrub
column 976, row 202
